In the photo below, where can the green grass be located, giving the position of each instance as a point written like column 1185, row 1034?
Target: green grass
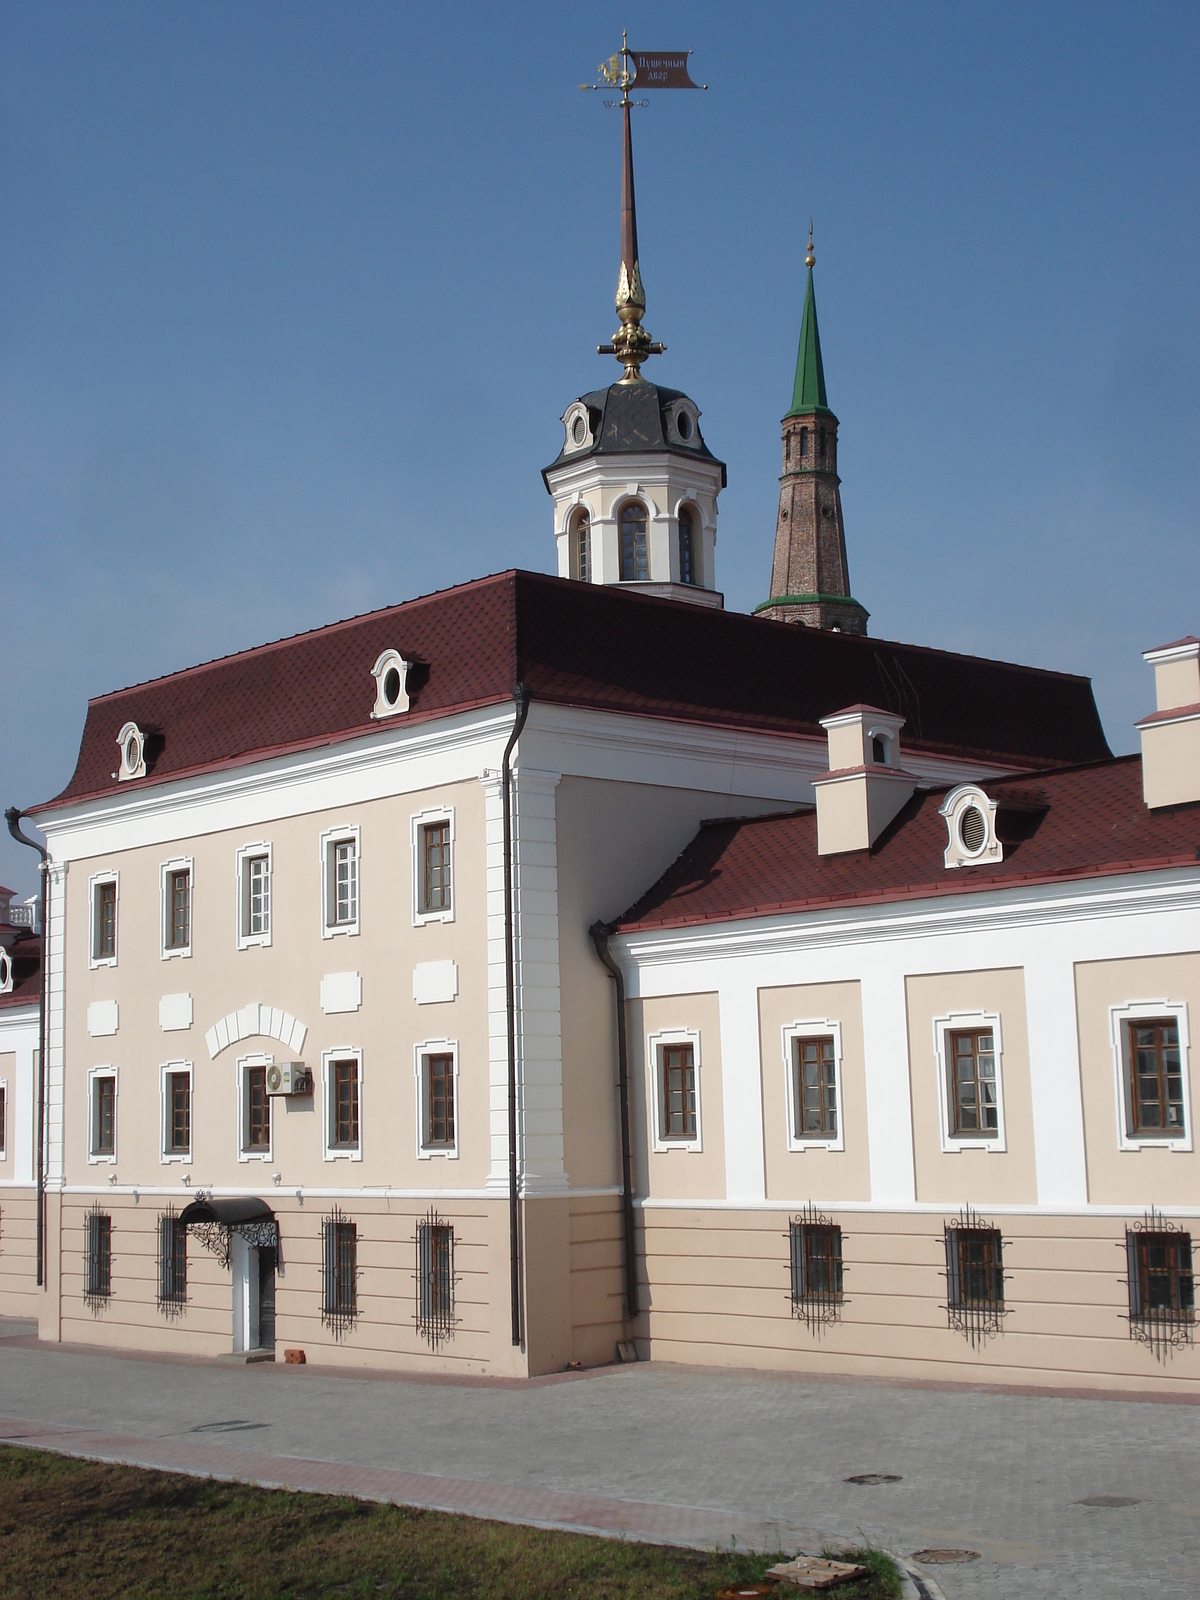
column 87, row 1531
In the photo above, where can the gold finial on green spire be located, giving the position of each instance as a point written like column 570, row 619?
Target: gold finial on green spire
column 810, row 260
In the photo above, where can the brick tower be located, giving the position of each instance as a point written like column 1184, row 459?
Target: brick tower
column 810, row 577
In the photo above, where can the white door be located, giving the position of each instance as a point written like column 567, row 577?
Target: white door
column 243, row 1264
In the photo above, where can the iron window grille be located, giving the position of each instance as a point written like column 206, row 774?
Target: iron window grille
column 172, row 1262
column 1162, row 1293
column 974, row 1277
column 97, row 1257
column 435, row 1279
column 817, row 1270
column 339, row 1256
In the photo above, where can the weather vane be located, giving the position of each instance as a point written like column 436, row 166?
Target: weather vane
column 644, row 69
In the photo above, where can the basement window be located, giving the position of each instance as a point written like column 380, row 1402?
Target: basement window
column 1162, row 1292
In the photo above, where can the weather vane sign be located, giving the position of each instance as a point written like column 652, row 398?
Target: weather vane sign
column 643, row 69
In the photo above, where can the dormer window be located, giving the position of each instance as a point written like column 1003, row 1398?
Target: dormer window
column 684, row 420
column 132, row 743
column 391, row 685
column 578, row 425
column 971, row 822
column 6, row 971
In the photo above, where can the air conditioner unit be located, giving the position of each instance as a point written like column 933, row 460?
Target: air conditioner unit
column 289, row 1077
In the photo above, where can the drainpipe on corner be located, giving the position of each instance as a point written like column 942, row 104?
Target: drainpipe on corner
column 521, row 699
column 600, row 936
column 13, row 817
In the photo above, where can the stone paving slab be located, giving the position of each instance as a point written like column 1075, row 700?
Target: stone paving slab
column 679, row 1455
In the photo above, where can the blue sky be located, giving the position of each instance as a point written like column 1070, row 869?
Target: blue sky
column 294, row 296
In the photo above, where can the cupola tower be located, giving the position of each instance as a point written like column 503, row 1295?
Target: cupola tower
column 635, row 486
column 810, row 576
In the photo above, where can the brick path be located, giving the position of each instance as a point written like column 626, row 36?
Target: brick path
column 672, row 1455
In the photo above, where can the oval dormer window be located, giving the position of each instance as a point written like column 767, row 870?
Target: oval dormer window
column 971, row 824
column 685, row 425
column 972, row 830
column 391, row 685
column 6, row 972
column 132, row 743
column 578, row 430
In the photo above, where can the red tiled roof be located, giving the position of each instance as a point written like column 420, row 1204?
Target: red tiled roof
column 1086, row 822
column 590, row 646
column 26, row 955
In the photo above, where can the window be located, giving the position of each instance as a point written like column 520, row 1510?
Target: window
column 635, row 555
column 1162, row 1292
column 254, row 1103
column 254, row 895
column 176, row 1111
column 812, row 1056
column 172, row 1261
column 679, row 1092
column 581, row 547
column 339, row 881
column 3, row 1121
column 803, row 443
column 787, row 447
column 687, row 547
column 104, row 921
column 97, row 1256
column 432, row 834
column 816, row 1248
column 343, row 1090
column 970, row 1081
column 821, row 442
column 674, row 1060
column 390, row 673
column 879, row 751
column 177, row 908
column 437, row 1097
column 974, row 1276
column 339, row 1276
column 435, row 866
column 1150, row 1062
column 435, row 1279
column 973, row 1085
column 102, row 1083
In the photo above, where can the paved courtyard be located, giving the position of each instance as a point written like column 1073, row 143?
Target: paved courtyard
column 676, row 1455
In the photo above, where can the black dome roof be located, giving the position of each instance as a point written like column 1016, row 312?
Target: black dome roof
column 627, row 419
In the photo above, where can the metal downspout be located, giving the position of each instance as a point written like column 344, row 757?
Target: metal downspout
column 521, row 700
column 600, row 933
column 13, row 817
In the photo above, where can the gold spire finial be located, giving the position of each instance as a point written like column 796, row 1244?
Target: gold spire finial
column 810, row 260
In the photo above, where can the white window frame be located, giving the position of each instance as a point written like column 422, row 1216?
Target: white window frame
column 1150, row 1011
column 177, row 864
column 95, row 1159
column 330, row 838
column 246, row 854
column 416, row 823
column 654, row 1074
column 4, row 1121
column 168, row 1157
column 331, row 1151
column 244, row 1153
column 968, row 1022
column 818, row 1028
column 421, row 1055
column 97, row 878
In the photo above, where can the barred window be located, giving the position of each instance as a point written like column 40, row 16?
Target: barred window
column 814, row 1064
column 172, row 1260
column 97, row 1253
column 678, row 1092
column 974, row 1276
column 435, row 859
column 1162, row 1293
column 816, row 1265
column 339, row 1252
column 435, row 1279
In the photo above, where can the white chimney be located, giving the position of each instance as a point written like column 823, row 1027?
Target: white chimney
column 865, row 787
column 1171, row 734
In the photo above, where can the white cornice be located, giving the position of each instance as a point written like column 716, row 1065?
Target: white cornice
column 1131, row 894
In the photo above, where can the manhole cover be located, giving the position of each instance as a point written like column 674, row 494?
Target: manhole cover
column 874, row 1477
column 943, row 1558
column 749, row 1591
column 1109, row 1500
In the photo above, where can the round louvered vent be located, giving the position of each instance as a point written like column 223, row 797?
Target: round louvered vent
column 972, row 830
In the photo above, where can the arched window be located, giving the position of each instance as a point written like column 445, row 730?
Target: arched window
column 687, row 546
column 581, row 547
column 635, row 554
column 821, row 442
column 879, row 754
column 803, row 443
column 787, row 447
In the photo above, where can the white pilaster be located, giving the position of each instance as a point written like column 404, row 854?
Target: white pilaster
column 741, row 1087
column 1058, row 1138
column 889, row 1099
column 56, row 926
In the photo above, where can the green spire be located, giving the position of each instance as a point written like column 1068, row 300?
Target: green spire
column 808, row 395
